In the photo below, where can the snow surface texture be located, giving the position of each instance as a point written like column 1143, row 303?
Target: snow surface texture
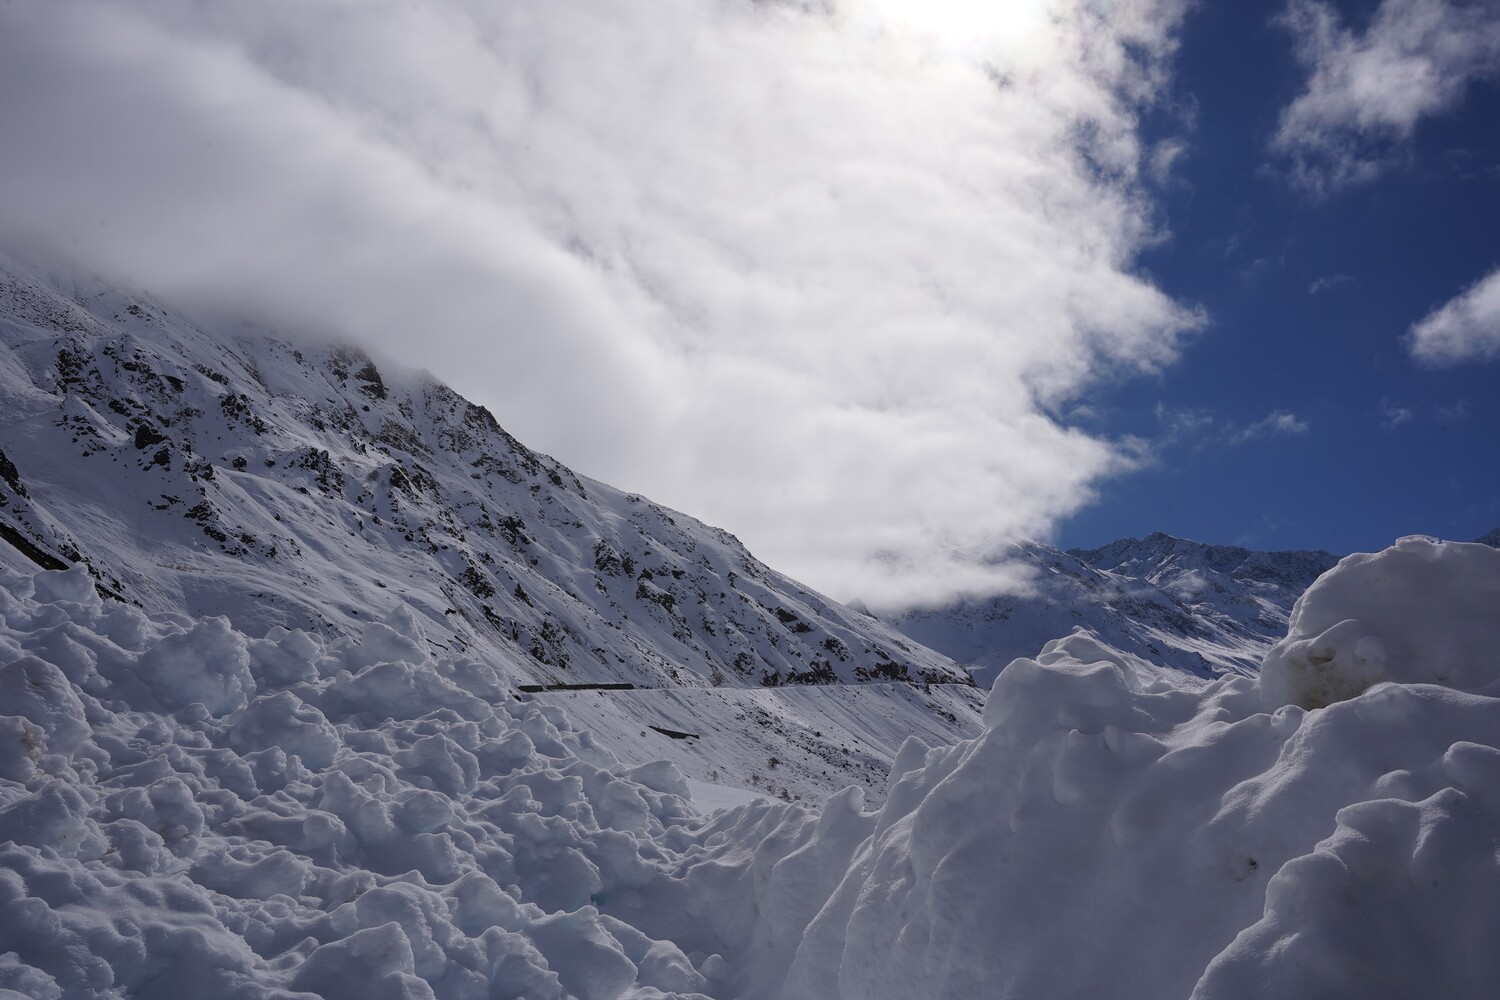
column 1126, row 835
column 1204, row 609
column 1422, row 612
column 188, row 812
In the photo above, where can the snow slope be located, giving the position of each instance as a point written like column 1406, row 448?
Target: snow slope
column 1204, row 609
column 205, row 472
column 303, row 487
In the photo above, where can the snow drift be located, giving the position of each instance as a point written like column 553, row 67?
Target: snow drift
column 1419, row 612
column 1121, row 833
column 187, row 811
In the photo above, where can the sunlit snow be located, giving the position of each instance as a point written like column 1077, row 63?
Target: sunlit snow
column 186, row 811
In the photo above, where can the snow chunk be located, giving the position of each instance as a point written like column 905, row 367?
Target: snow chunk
column 1421, row 612
column 587, row 958
column 68, row 586
column 38, row 692
column 371, row 964
column 284, row 720
column 209, row 664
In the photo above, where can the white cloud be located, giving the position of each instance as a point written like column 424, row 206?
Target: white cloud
column 1367, row 91
column 1394, row 414
column 812, row 272
column 1453, row 413
column 1199, row 429
column 1464, row 329
column 1278, row 422
column 1329, row 282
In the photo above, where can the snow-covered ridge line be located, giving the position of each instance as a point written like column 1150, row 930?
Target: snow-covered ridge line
column 1203, row 609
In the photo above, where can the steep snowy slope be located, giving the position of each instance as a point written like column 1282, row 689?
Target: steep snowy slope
column 305, row 488
column 1204, row 609
column 301, row 487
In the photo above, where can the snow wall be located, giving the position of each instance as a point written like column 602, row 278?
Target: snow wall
column 188, row 812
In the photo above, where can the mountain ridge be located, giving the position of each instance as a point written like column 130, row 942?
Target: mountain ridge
column 300, row 487
column 232, row 451
column 1200, row 608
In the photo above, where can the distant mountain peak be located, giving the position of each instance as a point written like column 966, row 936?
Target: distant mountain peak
column 1197, row 607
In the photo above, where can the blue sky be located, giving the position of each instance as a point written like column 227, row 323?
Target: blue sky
column 1309, row 296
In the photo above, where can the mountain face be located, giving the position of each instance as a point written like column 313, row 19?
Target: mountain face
column 1204, row 609
column 303, row 487
column 300, row 489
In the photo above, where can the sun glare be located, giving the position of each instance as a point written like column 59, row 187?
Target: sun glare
column 969, row 27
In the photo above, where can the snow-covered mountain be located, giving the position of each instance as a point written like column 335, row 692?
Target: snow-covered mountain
column 263, row 613
column 1205, row 609
column 293, row 486
column 303, row 487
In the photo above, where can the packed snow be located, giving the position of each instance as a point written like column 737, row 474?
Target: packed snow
column 187, row 811
column 1420, row 613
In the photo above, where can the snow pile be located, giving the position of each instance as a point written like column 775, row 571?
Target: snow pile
column 187, row 812
column 1423, row 611
column 1125, row 834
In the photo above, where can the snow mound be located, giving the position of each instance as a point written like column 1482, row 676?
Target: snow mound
column 1118, row 832
column 186, row 811
column 357, row 819
column 1422, row 611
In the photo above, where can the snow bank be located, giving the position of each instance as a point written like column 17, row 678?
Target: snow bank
column 187, row 812
column 358, row 820
column 1118, row 833
column 1422, row 611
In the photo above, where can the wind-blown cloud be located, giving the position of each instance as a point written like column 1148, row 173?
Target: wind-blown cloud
column 1201, row 429
column 1329, row 282
column 813, row 272
column 1466, row 328
column 1367, row 91
column 1276, row 423
column 1393, row 414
